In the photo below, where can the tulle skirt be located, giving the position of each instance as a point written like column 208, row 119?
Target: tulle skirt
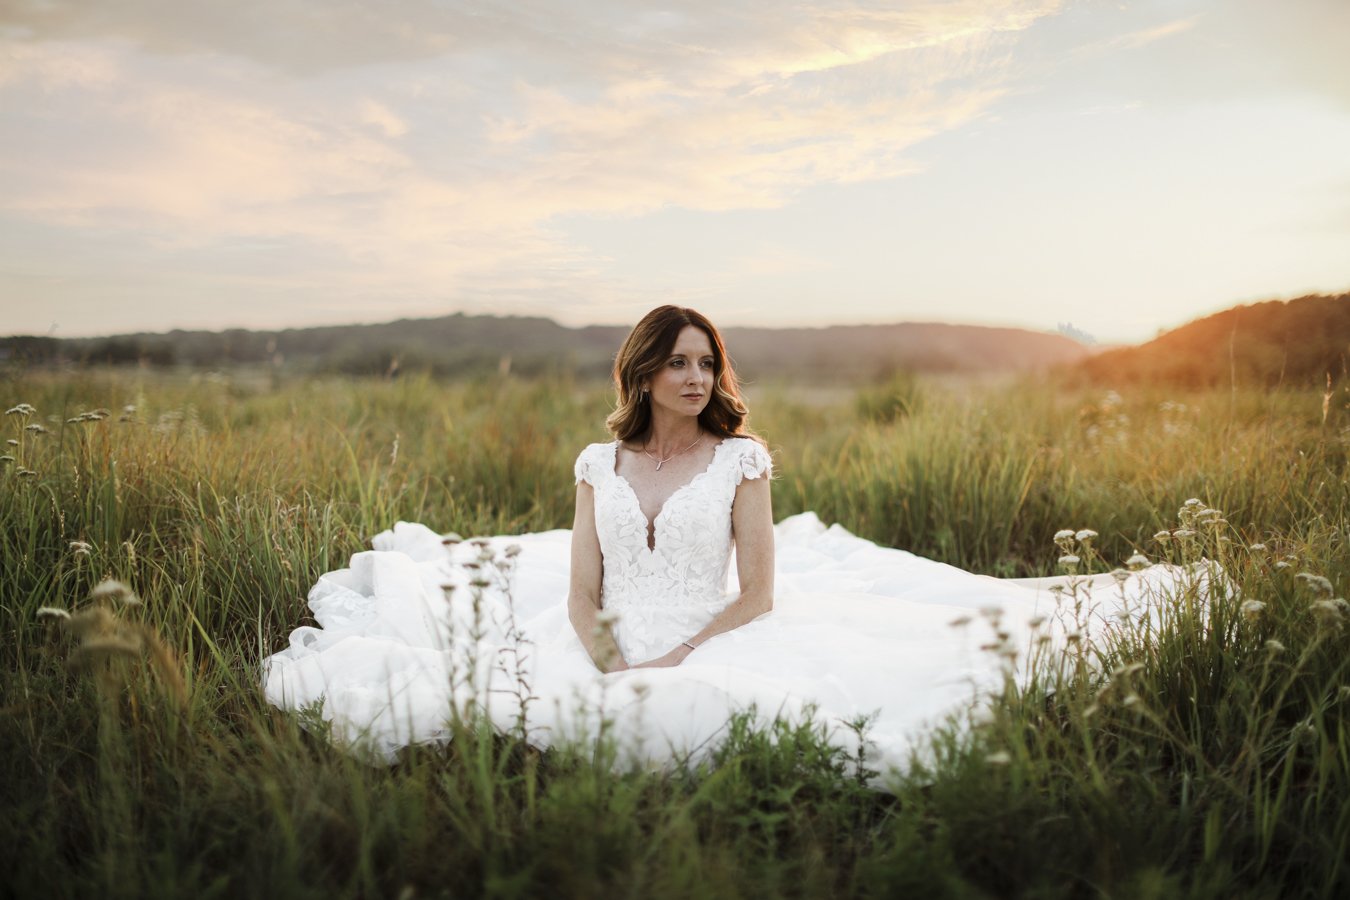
column 413, row 630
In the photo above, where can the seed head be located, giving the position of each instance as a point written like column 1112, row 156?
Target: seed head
column 1328, row 611
column 80, row 548
column 1257, row 548
column 1318, row 583
column 1252, row 608
column 1275, row 646
column 1137, row 562
column 51, row 612
column 1162, row 536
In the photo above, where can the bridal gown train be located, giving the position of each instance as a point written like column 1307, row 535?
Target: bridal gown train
column 856, row 629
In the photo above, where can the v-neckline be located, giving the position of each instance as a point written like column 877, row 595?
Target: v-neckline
column 650, row 545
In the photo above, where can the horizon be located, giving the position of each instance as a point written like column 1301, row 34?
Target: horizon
column 1123, row 167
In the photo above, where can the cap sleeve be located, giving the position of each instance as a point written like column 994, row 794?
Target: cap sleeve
column 588, row 468
column 755, row 461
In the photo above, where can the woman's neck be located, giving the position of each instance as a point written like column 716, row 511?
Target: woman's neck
column 670, row 434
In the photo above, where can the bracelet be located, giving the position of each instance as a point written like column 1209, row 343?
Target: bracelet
column 689, row 645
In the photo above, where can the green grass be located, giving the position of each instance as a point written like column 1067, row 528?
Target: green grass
column 1198, row 762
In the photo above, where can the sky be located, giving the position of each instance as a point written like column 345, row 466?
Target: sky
column 1122, row 166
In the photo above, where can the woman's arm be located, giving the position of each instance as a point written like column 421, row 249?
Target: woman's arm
column 752, row 525
column 583, row 597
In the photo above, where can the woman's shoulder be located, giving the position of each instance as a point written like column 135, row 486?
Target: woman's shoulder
column 594, row 461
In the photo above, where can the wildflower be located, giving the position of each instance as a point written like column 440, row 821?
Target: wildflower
column 23, row 409
column 451, row 539
column 1086, row 535
column 1257, row 548
column 1183, row 533
column 1163, row 536
column 1275, row 646
column 36, row 428
column 112, row 589
column 1069, row 561
column 999, row 758
column 1318, row 583
column 1063, row 534
column 1036, row 622
column 1328, row 610
column 6, row 458
column 51, row 612
column 1192, row 503
column 26, row 473
column 512, row 551
column 1252, row 608
column 1282, row 565
column 80, row 548
column 1130, row 699
column 1136, row 562
column 1073, row 637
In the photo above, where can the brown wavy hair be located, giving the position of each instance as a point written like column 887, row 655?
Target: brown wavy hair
column 646, row 350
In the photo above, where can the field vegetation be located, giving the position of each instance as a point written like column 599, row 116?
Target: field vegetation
column 138, row 758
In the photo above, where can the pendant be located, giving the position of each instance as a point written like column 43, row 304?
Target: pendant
column 658, row 465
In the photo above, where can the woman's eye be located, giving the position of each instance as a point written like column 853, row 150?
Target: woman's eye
column 707, row 364
column 677, row 362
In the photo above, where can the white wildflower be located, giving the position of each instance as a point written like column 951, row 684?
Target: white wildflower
column 80, row 548
column 1257, row 548
column 1069, row 561
column 1085, row 535
column 1183, row 533
column 1252, row 608
column 1136, row 562
column 1318, row 583
column 51, row 612
column 1275, row 646
column 1063, row 534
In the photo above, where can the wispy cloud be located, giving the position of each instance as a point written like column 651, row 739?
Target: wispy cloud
column 429, row 146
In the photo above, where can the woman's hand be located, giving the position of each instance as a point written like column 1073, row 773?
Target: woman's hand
column 673, row 658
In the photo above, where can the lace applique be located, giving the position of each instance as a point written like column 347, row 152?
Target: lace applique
column 665, row 595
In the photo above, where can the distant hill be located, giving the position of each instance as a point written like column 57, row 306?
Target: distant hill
column 1296, row 342
column 462, row 344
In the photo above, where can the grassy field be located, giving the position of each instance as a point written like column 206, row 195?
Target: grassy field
column 138, row 757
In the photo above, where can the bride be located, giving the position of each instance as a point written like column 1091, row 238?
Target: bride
column 685, row 604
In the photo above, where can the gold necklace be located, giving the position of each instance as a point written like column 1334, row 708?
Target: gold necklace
column 660, row 462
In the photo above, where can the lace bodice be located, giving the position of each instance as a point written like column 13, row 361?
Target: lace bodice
column 665, row 595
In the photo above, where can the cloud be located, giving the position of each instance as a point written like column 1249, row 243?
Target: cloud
column 423, row 149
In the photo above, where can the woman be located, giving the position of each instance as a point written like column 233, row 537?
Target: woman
column 681, row 456
column 661, row 639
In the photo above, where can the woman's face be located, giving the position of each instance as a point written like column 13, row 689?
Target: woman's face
column 684, row 383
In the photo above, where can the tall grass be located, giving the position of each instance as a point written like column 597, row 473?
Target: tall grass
column 1205, row 758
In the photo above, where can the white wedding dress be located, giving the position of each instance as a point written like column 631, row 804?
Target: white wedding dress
column 856, row 630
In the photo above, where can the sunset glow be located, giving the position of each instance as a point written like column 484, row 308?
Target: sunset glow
column 1122, row 166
